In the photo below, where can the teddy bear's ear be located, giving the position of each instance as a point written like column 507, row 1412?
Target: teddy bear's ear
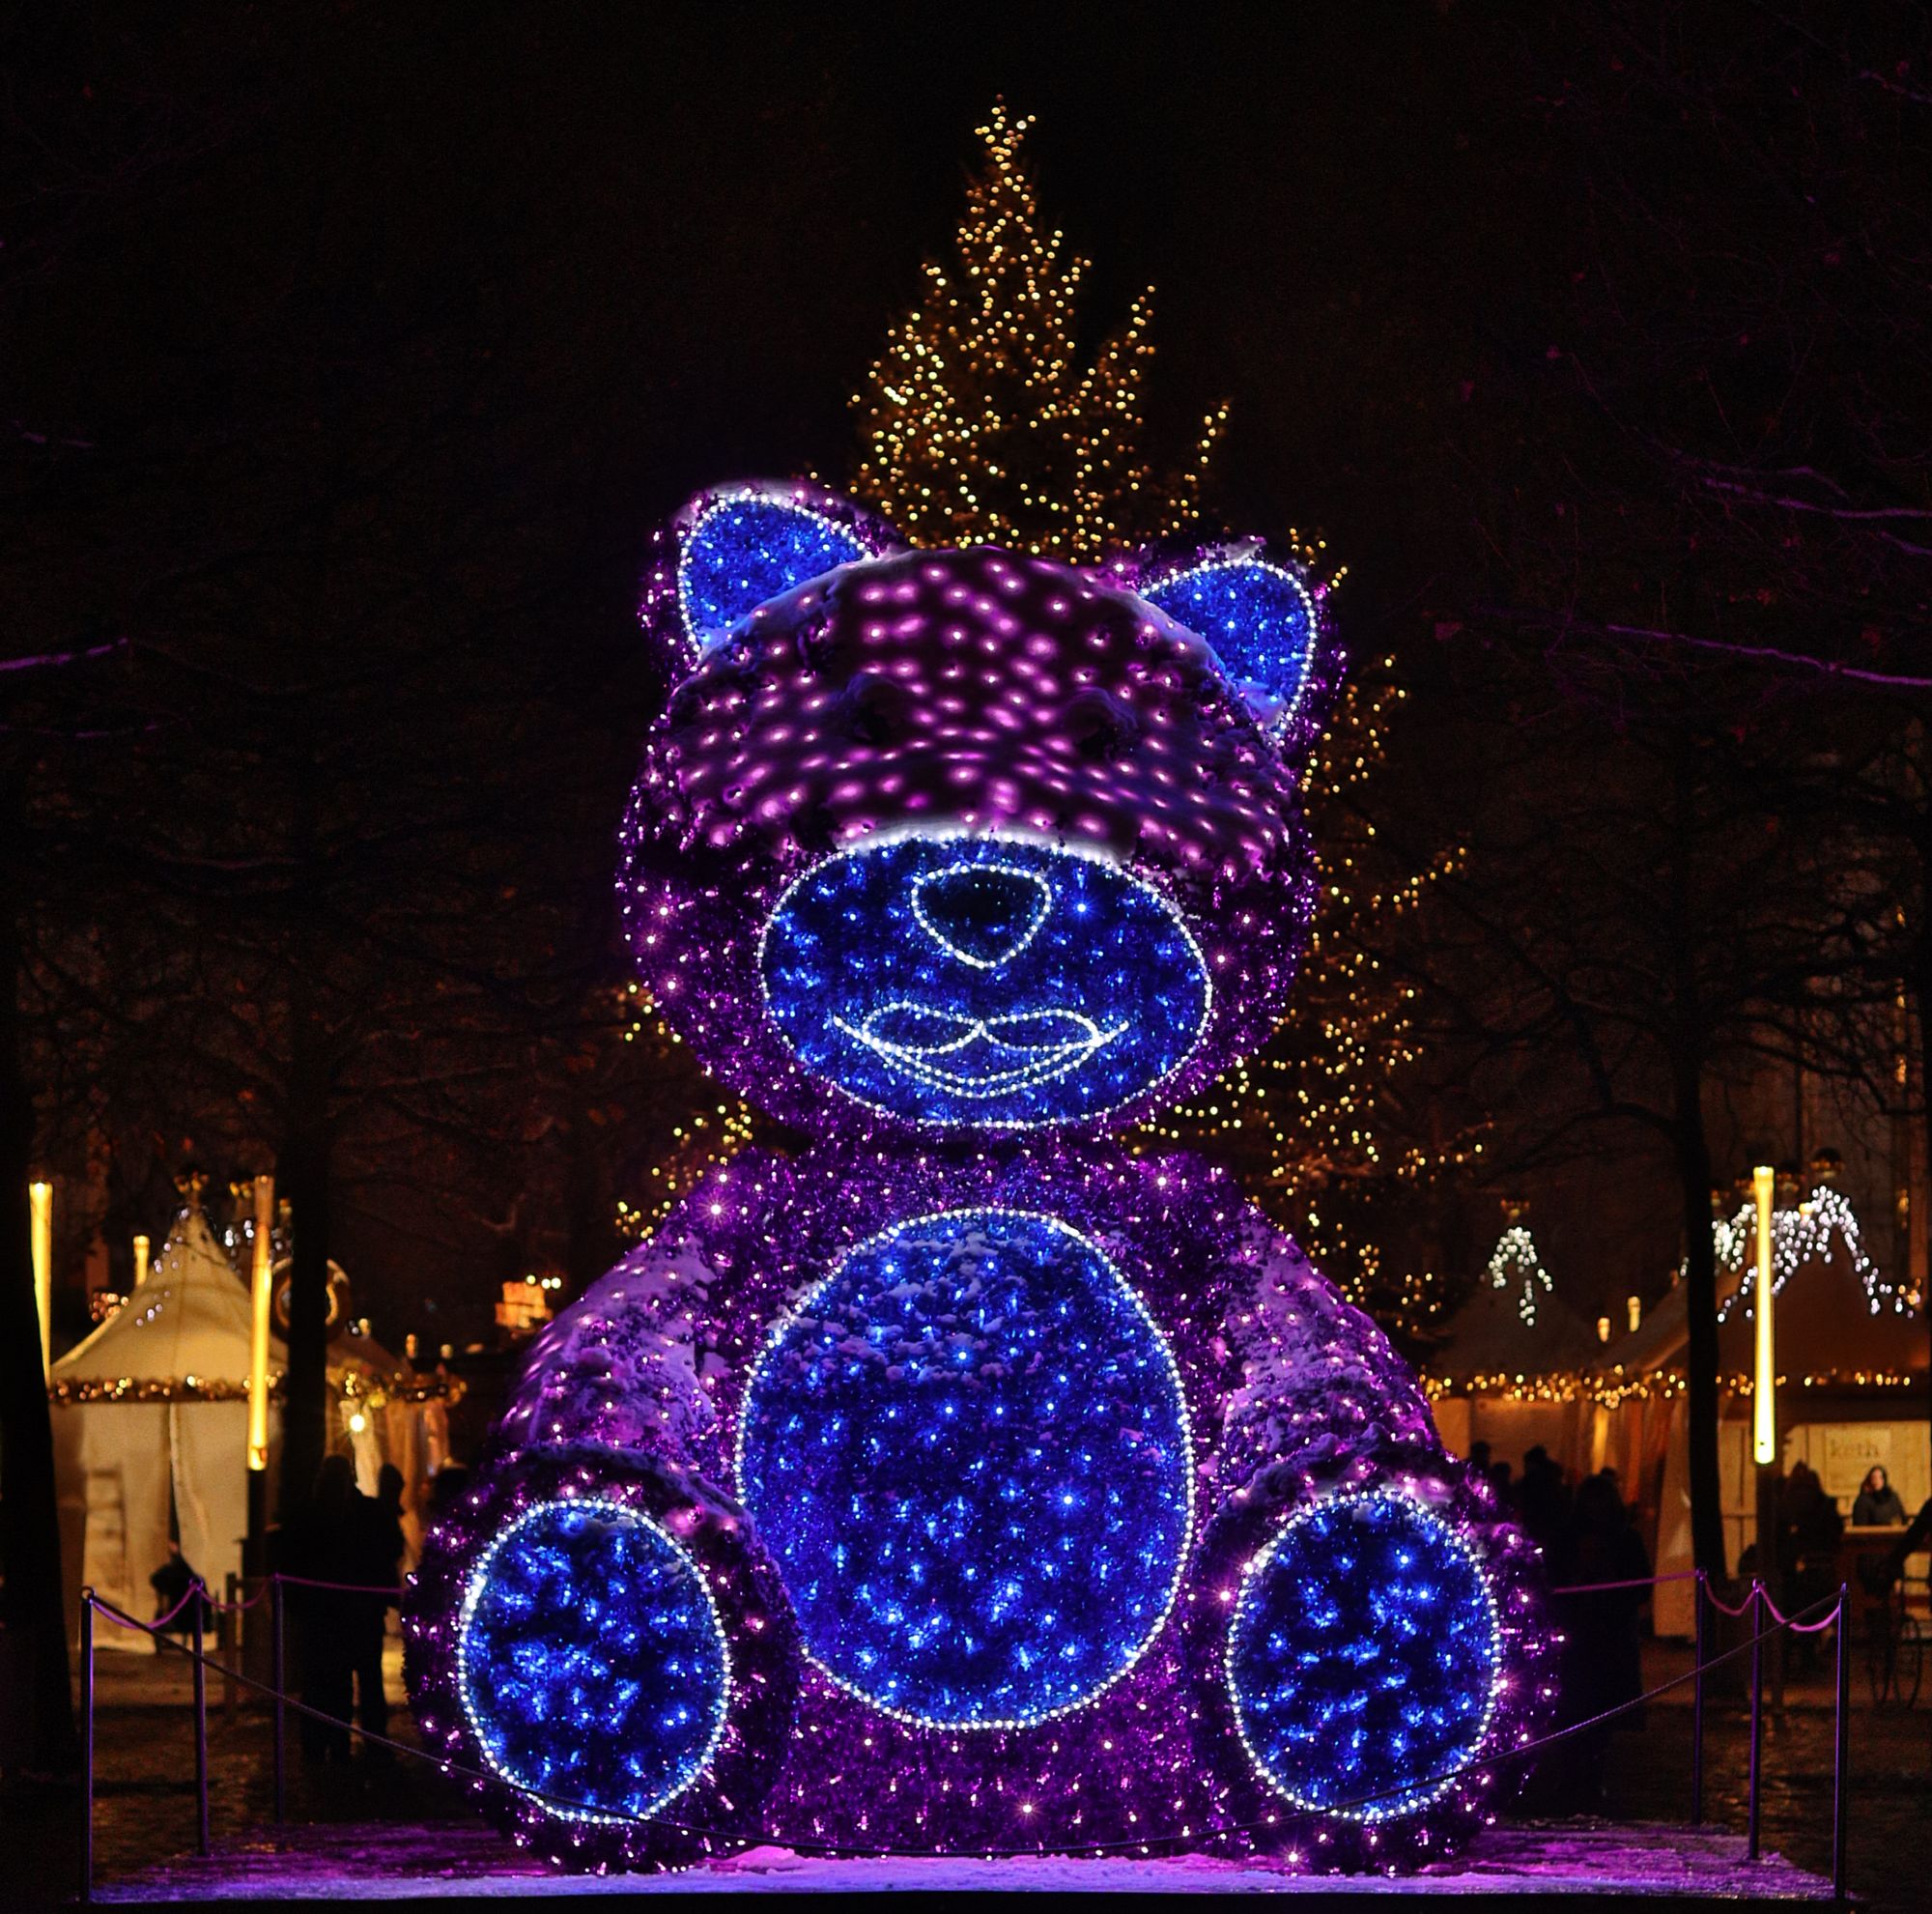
column 730, row 548
column 1263, row 615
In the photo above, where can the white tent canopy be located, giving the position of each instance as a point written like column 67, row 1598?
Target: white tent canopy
column 157, row 1406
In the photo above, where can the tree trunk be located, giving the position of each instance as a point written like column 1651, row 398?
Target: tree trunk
column 29, row 1511
column 1692, row 1149
column 303, row 1164
column 1700, row 1304
column 302, row 1175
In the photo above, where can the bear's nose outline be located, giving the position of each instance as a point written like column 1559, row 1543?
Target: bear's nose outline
column 982, row 915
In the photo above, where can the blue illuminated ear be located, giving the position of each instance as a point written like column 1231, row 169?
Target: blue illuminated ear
column 1261, row 614
column 730, row 550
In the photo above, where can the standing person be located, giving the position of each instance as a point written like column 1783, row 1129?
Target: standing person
column 376, row 1552
column 1808, row 1555
column 1878, row 1504
column 320, row 1548
column 1602, row 1666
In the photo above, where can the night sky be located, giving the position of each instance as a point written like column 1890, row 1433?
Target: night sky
column 346, row 328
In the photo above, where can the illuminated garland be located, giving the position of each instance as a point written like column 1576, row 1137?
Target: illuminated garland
column 1611, row 1388
column 1515, row 1257
column 814, row 1445
column 1798, row 1235
column 405, row 1385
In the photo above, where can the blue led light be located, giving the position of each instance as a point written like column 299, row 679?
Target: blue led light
column 1259, row 618
column 591, row 1663
column 1364, row 1656
column 988, row 981
column 747, row 549
column 969, row 1455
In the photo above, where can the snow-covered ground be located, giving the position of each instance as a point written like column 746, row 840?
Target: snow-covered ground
column 388, row 1863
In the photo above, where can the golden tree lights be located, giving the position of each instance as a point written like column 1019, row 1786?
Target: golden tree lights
column 1312, row 1120
column 981, row 424
column 706, row 1140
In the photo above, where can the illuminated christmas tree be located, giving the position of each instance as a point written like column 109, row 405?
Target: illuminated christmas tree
column 981, row 421
column 981, row 425
column 1314, row 1121
column 712, row 1131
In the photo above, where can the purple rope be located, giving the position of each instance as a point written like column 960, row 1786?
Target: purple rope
column 393, row 1590
column 160, row 1622
column 1635, row 1582
column 1743, row 1607
column 1804, row 1627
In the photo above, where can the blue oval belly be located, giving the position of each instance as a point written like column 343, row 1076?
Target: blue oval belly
column 968, row 1454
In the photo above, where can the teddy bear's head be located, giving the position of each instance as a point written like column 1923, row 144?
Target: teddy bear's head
column 966, row 838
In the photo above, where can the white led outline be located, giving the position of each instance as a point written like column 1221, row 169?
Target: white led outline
column 1056, row 1060
column 1289, row 707
column 473, row 1593
column 700, row 644
column 793, row 1313
column 946, row 943
column 1425, row 1793
column 881, row 839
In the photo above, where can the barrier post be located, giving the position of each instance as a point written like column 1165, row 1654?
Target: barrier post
column 1756, row 1610
column 195, row 1610
column 1697, row 1707
column 1843, row 1726
column 227, row 1645
column 278, row 1673
column 87, row 1743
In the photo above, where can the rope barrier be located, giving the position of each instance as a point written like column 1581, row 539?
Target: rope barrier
column 393, row 1590
column 260, row 1595
column 805, row 1844
column 1798, row 1627
column 160, row 1622
column 1635, row 1582
column 1736, row 1614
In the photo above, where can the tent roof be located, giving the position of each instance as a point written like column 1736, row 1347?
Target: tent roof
column 1488, row 1336
column 190, row 1316
column 1825, row 1322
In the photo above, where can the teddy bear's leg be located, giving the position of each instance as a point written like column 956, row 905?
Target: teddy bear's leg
column 593, row 1636
column 1371, row 1637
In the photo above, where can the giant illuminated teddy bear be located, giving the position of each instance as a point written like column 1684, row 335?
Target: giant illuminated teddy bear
column 969, row 1483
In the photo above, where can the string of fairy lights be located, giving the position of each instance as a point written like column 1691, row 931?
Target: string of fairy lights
column 705, row 1140
column 1311, row 1112
column 981, row 422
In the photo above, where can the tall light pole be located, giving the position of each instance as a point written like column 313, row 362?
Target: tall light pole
column 1764, row 1402
column 1764, row 1397
column 41, row 1207
column 261, row 1295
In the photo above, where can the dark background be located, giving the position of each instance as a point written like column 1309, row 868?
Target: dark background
column 354, row 350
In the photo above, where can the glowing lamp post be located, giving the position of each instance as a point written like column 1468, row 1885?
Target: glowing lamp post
column 41, row 1207
column 141, row 1248
column 261, row 1292
column 1763, row 1395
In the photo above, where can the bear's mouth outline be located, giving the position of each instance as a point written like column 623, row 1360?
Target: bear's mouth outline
column 1044, row 1063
